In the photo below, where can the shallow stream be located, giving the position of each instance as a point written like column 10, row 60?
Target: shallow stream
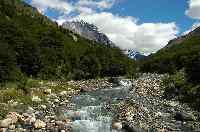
column 92, row 111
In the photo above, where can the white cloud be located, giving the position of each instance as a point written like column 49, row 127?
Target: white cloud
column 126, row 33
column 194, row 26
column 59, row 5
column 66, row 7
column 85, row 10
column 103, row 4
column 194, row 9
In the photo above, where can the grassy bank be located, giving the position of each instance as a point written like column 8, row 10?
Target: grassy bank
column 15, row 97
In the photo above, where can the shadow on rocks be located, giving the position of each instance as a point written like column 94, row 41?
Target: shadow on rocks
column 114, row 81
column 126, row 128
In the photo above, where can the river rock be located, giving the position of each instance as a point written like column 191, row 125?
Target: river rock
column 117, row 125
column 181, row 116
column 30, row 110
column 56, row 100
column 5, row 123
column 43, row 107
column 12, row 127
column 13, row 116
column 59, row 123
column 36, row 99
column 47, row 91
column 63, row 93
column 128, row 128
column 39, row 124
column 3, row 129
column 32, row 120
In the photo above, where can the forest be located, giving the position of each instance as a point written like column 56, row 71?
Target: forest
column 34, row 46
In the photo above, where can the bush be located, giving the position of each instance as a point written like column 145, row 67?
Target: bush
column 193, row 68
column 174, row 85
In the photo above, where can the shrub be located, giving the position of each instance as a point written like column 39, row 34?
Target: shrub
column 174, row 84
column 193, row 68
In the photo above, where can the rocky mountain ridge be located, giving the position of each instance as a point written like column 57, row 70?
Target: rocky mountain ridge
column 134, row 54
column 91, row 32
column 88, row 31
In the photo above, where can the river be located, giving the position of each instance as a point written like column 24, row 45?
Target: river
column 92, row 111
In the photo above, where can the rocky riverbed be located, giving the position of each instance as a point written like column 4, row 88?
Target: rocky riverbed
column 147, row 110
column 48, row 102
column 100, row 106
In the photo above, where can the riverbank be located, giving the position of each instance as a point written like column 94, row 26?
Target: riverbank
column 95, row 105
column 41, row 109
column 147, row 110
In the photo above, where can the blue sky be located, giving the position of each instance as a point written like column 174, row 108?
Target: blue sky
column 157, row 11
column 143, row 25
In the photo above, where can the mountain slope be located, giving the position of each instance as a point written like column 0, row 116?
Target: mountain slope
column 179, row 40
column 33, row 45
column 90, row 31
column 178, row 54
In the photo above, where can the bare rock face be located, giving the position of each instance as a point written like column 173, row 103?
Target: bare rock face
column 88, row 31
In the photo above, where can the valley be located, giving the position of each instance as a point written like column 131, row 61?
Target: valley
column 71, row 77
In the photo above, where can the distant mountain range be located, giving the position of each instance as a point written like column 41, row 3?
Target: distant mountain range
column 134, row 54
column 91, row 32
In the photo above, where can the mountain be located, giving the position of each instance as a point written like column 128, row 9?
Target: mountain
column 91, row 32
column 134, row 54
column 34, row 46
column 180, row 53
column 181, row 39
column 88, row 31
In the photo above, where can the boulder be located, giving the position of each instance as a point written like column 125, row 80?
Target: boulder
column 182, row 116
column 47, row 91
column 12, row 127
column 59, row 123
column 127, row 128
column 5, row 123
column 117, row 125
column 13, row 116
column 32, row 120
column 43, row 107
column 63, row 93
column 3, row 129
column 39, row 124
column 56, row 100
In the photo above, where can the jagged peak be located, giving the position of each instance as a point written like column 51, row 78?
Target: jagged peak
column 87, row 30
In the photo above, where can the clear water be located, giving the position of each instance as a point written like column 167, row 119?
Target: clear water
column 90, row 113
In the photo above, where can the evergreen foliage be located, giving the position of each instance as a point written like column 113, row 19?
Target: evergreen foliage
column 182, row 61
column 179, row 56
column 34, row 46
